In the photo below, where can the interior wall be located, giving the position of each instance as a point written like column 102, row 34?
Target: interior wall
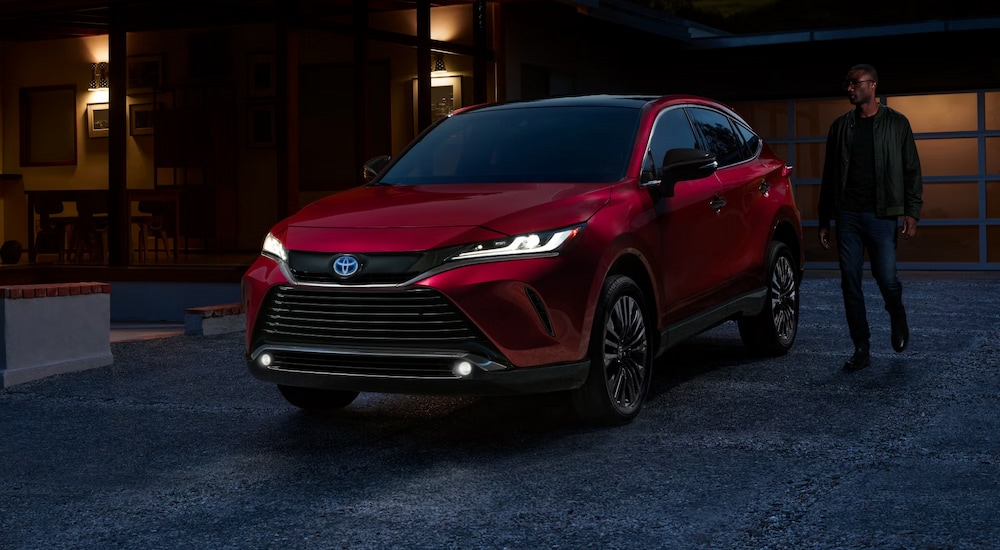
column 53, row 63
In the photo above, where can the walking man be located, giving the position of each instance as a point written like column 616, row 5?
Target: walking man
column 871, row 178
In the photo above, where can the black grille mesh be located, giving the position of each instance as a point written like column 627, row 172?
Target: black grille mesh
column 408, row 318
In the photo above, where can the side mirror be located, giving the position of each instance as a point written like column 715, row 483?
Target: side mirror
column 374, row 166
column 684, row 165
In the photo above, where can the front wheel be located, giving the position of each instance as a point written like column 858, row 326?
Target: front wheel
column 772, row 331
column 621, row 356
column 316, row 400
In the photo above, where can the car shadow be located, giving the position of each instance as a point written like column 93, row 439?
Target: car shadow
column 718, row 349
column 520, row 417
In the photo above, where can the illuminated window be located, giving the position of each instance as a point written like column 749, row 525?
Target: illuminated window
column 813, row 117
column 950, row 201
column 992, row 110
column 938, row 113
column 948, row 157
column 993, row 244
column 769, row 119
column 939, row 244
column 992, row 155
column 809, row 160
column 807, row 199
column 993, row 199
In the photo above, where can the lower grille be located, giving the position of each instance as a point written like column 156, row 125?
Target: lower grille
column 359, row 365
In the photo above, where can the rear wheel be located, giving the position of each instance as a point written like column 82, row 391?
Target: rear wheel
column 772, row 331
column 316, row 400
column 621, row 356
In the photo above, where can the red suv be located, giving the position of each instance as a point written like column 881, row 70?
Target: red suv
column 535, row 246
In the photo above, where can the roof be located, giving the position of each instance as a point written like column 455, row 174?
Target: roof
column 940, row 26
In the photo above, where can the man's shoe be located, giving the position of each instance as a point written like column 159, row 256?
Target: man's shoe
column 900, row 333
column 859, row 360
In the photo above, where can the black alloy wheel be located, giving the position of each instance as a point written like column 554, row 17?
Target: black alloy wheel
column 621, row 356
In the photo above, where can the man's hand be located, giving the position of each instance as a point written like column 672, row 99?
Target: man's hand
column 824, row 237
column 909, row 227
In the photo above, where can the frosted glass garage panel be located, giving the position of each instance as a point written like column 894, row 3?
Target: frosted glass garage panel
column 950, row 201
column 993, row 155
column 993, row 244
column 807, row 200
column 781, row 149
column 993, row 199
column 938, row 113
column 813, row 117
column 992, row 110
column 809, row 160
column 958, row 244
column 768, row 118
column 948, row 157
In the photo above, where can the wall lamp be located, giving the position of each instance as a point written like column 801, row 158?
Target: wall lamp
column 98, row 76
column 439, row 63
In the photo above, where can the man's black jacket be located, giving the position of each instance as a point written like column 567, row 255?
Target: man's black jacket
column 898, row 183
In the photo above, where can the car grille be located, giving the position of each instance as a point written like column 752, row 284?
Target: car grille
column 370, row 318
column 331, row 363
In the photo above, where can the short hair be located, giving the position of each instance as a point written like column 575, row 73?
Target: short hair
column 867, row 69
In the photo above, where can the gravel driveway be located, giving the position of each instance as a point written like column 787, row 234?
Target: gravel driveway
column 176, row 446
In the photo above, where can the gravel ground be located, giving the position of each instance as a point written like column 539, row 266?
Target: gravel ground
column 176, row 446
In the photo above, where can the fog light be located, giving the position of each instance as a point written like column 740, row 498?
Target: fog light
column 463, row 368
column 265, row 359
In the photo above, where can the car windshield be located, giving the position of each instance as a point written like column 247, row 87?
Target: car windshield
column 537, row 144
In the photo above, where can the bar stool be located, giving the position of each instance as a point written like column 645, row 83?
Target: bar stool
column 51, row 235
column 90, row 232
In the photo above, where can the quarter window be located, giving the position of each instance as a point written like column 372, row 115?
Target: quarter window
column 718, row 135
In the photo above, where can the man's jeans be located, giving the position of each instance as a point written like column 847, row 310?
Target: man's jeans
column 856, row 232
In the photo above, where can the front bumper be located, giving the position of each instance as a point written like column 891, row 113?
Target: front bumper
column 424, row 371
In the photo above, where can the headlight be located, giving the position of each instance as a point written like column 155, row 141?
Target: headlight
column 531, row 243
column 273, row 247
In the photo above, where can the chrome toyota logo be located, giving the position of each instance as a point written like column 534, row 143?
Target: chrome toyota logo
column 346, row 266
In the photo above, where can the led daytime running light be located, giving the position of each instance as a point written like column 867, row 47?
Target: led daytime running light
column 532, row 243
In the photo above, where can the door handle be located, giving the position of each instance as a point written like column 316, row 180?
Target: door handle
column 717, row 203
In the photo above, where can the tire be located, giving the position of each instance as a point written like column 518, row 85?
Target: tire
column 772, row 332
column 316, row 400
column 621, row 357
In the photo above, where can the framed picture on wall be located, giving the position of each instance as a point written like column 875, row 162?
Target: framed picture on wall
column 48, row 125
column 446, row 96
column 140, row 119
column 98, row 120
column 260, row 126
column 143, row 73
column 260, row 75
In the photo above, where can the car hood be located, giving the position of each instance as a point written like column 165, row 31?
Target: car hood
column 405, row 218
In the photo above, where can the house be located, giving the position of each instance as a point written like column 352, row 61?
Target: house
column 219, row 117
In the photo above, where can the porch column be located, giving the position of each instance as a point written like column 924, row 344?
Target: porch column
column 287, row 112
column 361, row 88
column 480, row 63
column 118, row 224
column 423, row 98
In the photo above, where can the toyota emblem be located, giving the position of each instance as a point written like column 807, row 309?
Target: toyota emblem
column 346, row 266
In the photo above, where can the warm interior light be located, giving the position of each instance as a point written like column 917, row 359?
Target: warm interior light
column 439, row 66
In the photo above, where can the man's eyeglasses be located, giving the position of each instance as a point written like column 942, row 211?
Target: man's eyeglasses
column 848, row 84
